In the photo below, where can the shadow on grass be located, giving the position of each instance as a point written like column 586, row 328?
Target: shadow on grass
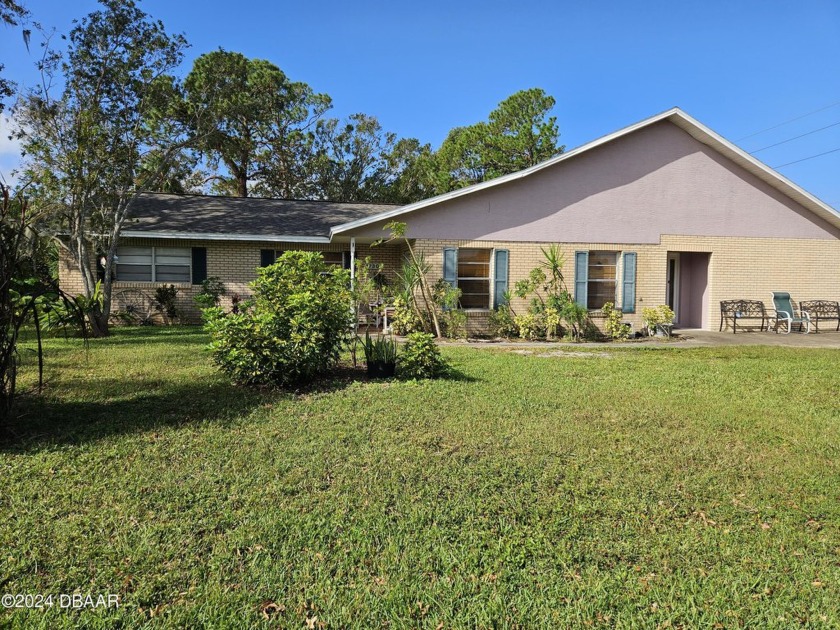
column 44, row 422
column 108, row 407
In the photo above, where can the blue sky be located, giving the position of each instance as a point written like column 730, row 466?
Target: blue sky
column 424, row 67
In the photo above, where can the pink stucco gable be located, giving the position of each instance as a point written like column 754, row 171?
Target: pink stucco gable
column 656, row 180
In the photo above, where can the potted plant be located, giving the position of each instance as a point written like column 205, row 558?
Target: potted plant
column 658, row 320
column 380, row 355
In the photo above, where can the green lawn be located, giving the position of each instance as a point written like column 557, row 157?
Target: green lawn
column 636, row 488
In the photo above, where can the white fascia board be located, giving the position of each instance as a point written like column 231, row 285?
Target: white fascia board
column 211, row 236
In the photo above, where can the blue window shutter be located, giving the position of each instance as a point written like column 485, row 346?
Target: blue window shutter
column 500, row 277
column 266, row 257
column 581, row 278
column 628, row 286
column 450, row 266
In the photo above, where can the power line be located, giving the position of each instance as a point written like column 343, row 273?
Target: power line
column 810, row 157
column 787, row 122
column 770, row 146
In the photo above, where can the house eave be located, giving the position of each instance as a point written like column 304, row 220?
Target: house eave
column 213, row 236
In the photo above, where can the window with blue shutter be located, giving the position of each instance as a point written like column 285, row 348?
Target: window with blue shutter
column 628, row 285
column 450, row 266
column 581, row 278
column 500, row 277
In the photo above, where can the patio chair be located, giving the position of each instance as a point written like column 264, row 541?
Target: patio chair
column 787, row 313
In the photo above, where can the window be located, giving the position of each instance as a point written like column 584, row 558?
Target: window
column 334, row 258
column 469, row 270
column 596, row 279
column 154, row 264
column 601, row 274
column 337, row 259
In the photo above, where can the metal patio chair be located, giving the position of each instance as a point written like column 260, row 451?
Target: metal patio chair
column 787, row 313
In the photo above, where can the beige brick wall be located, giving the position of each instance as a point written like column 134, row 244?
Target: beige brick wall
column 739, row 268
column 751, row 268
column 234, row 263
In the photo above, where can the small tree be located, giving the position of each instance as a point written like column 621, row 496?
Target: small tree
column 294, row 329
column 25, row 294
column 87, row 148
column 398, row 231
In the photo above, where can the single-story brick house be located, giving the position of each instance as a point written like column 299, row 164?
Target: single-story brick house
column 665, row 211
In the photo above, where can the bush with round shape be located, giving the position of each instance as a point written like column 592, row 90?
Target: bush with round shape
column 420, row 358
column 294, row 328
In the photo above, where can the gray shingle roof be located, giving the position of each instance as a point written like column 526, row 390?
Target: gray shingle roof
column 238, row 216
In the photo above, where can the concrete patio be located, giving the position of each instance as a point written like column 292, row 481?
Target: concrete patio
column 684, row 338
column 703, row 338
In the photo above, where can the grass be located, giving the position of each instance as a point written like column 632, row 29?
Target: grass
column 642, row 488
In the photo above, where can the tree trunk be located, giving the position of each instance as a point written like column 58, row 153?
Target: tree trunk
column 425, row 291
column 99, row 324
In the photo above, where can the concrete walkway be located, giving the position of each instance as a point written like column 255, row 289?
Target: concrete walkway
column 683, row 338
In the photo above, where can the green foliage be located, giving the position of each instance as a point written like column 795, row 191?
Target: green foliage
column 165, row 301
column 420, row 358
column 212, row 290
column 86, row 147
column 531, row 325
column 27, row 292
column 502, row 323
column 551, row 305
column 453, row 319
column 11, row 14
column 380, row 349
column 248, row 115
column 518, row 134
column 412, row 278
column 577, row 317
column 532, row 284
column 552, row 264
column 658, row 317
column 293, row 331
column 404, row 319
column 553, row 317
column 63, row 313
column 613, row 325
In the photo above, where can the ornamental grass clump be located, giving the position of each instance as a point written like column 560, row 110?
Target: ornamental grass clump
column 294, row 328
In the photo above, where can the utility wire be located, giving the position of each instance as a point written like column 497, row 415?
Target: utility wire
column 816, row 111
column 810, row 157
column 770, row 146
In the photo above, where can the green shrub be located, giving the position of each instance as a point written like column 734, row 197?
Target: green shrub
column 577, row 317
column 531, row 325
column 165, row 301
column 453, row 319
column 656, row 317
column 502, row 323
column 210, row 294
column 613, row 325
column 420, row 357
column 404, row 319
column 293, row 329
